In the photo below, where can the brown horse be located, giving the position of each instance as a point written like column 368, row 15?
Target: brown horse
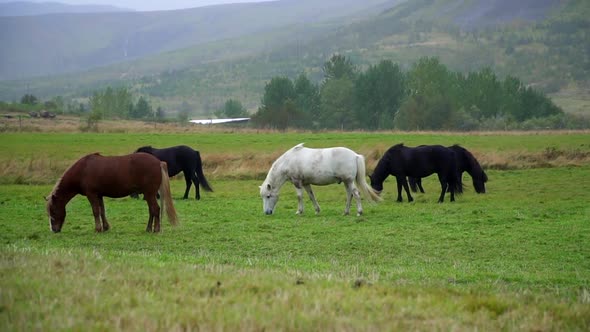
column 96, row 176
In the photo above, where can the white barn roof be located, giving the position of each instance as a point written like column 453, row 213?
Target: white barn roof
column 217, row 121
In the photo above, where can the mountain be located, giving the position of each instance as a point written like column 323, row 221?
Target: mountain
column 61, row 43
column 548, row 48
column 25, row 8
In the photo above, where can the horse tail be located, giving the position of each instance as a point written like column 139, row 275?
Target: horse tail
column 165, row 195
column 199, row 170
column 454, row 176
column 361, row 181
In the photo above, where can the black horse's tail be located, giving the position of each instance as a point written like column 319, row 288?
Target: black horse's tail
column 456, row 183
column 202, row 180
column 454, row 177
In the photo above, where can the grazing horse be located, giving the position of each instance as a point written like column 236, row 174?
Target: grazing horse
column 304, row 167
column 182, row 158
column 96, row 176
column 402, row 161
column 466, row 162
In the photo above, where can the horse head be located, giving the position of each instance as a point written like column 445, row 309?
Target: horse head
column 146, row 149
column 477, row 173
column 479, row 182
column 270, row 197
column 376, row 185
column 56, row 212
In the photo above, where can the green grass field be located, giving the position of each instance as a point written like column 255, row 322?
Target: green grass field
column 516, row 258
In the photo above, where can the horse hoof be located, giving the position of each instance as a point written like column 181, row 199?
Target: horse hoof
column 299, row 212
column 346, row 213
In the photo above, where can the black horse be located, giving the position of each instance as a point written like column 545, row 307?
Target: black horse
column 402, row 161
column 466, row 162
column 184, row 159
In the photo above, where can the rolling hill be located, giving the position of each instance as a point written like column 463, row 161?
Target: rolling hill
column 61, row 43
column 26, row 8
column 543, row 42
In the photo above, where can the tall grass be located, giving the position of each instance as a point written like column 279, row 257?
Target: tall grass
column 42, row 157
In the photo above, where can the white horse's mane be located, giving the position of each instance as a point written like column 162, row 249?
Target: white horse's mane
column 277, row 163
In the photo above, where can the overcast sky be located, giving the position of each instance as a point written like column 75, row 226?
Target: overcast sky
column 148, row 4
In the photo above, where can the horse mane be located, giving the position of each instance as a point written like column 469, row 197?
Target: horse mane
column 391, row 150
column 280, row 160
column 470, row 159
column 58, row 183
column 298, row 146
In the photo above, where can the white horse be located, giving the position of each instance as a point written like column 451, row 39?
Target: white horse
column 304, row 167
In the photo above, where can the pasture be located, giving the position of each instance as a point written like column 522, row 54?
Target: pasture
column 515, row 258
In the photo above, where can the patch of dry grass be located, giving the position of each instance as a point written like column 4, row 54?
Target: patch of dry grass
column 239, row 153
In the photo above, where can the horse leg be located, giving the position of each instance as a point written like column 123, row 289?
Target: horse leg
column 444, row 185
column 103, row 216
column 149, row 225
column 451, row 189
column 357, row 197
column 399, row 191
column 187, row 179
column 196, row 183
column 299, row 190
column 404, row 183
column 312, row 198
column 154, row 211
column 348, row 186
column 419, row 183
column 95, row 203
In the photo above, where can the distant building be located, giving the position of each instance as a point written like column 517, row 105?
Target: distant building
column 218, row 121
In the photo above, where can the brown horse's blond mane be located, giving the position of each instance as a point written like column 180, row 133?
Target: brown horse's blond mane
column 56, row 186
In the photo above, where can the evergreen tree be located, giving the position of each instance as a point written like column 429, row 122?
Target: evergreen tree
column 141, row 110
column 307, row 102
column 339, row 67
column 29, row 99
column 277, row 108
column 232, row 109
column 378, row 94
column 336, row 110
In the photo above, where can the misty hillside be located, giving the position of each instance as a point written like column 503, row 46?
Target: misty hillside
column 477, row 14
column 25, row 8
column 548, row 49
column 61, row 43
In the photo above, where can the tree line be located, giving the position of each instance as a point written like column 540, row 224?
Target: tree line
column 428, row 96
